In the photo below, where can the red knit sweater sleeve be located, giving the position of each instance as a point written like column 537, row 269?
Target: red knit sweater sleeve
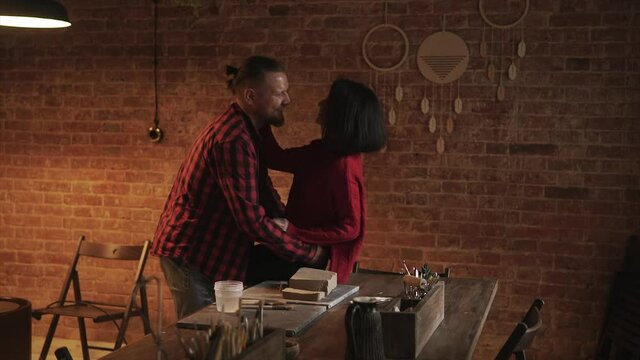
column 346, row 190
column 277, row 158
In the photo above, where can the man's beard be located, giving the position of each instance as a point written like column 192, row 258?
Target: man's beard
column 276, row 120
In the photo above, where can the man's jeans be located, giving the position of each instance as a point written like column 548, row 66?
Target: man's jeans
column 191, row 290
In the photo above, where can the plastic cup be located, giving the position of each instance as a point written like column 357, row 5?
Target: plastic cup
column 228, row 293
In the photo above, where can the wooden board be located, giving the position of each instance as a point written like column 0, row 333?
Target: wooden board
column 306, row 295
column 270, row 290
column 292, row 321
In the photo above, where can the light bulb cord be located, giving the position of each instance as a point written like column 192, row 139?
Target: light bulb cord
column 155, row 61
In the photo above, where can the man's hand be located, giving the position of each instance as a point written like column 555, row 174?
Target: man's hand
column 321, row 258
column 282, row 223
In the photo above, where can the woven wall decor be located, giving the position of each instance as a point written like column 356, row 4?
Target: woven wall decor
column 398, row 92
column 497, row 70
column 442, row 59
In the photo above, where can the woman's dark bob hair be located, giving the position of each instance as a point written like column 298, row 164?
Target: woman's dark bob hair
column 352, row 119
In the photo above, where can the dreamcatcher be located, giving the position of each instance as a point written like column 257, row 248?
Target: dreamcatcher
column 497, row 70
column 442, row 59
column 398, row 93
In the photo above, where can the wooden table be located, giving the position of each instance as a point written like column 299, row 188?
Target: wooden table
column 467, row 303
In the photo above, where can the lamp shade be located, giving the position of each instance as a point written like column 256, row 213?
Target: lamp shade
column 33, row 14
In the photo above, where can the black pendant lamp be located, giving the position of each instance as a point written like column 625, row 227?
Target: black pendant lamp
column 33, row 14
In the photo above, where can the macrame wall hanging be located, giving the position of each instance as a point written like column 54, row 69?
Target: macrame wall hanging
column 442, row 59
column 398, row 92
column 494, row 55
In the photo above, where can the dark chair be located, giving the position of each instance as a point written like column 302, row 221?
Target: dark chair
column 99, row 311
column 446, row 273
column 620, row 336
column 523, row 334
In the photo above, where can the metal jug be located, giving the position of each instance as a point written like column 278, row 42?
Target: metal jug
column 364, row 330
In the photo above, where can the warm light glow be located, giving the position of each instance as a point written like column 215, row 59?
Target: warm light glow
column 31, row 22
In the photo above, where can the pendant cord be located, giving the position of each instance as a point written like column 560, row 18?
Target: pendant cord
column 385, row 12
column 155, row 61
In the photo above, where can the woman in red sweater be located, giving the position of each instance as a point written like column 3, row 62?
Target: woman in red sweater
column 327, row 200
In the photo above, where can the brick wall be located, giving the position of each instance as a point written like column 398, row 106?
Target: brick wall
column 543, row 199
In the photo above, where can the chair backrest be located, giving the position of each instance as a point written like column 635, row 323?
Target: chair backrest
column 119, row 252
column 523, row 334
column 620, row 337
column 105, row 251
column 446, row 273
column 632, row 256
column 110, row 251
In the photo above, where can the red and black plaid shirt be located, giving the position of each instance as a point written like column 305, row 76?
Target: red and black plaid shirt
column 219, row 203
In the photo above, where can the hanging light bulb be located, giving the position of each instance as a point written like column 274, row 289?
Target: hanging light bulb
column 33, row 14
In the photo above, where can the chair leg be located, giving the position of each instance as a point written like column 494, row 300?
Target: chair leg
column 83, row 339
column 520, row 355
column 146, row 323
column 49, row 338
column 144, row 310
column 123, row 330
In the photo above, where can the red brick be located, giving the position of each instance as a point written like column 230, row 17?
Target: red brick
column 482, row 243
column 448, row 241
column 523, row 245
column 380, row 252
column 607, row 151
column 82, row 223
column 413, row 240
column 424, row 226
column 531, row 219
column 566, row 193
column 115, row 189
column 533, row 149
column 453, row 187
column 488, row 258
column 416, row 186
column 7, row 256
column 527, row 260
column 411, row 253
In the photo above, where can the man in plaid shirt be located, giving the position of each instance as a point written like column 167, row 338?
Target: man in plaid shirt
column 223, row 200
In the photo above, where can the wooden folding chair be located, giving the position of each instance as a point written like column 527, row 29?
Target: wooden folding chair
column 99, row 311
column 523, row 334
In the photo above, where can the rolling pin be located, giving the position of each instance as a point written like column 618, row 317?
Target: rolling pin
column 414, row 281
